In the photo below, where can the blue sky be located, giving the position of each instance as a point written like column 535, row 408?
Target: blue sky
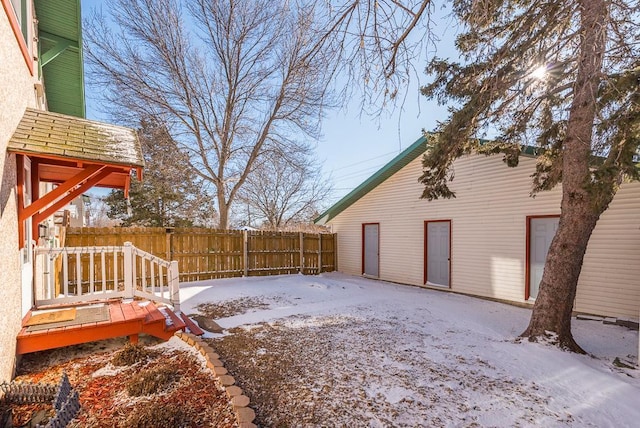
column 354, row 146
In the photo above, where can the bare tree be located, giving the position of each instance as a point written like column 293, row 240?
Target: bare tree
column 379, row 43
column 284, row 190
column 231, row 80
column 98, row 213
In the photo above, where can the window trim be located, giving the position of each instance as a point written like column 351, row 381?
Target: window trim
column 19, row 35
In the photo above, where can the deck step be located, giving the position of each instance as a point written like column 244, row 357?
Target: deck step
column 175, row 322
column 191, row 325
column 125, row 319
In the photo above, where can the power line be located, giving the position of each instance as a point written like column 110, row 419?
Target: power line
column 359, row 172
column 364, row 161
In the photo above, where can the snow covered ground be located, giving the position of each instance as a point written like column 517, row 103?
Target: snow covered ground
column 369, row 353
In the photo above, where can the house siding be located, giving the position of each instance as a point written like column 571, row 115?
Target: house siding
column 16, row 94
column 488, row 228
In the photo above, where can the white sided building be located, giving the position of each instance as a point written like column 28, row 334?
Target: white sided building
column 490, row 241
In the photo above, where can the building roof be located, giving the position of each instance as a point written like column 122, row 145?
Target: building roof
column 55, row 135
column 60, row 57
column 393, row 166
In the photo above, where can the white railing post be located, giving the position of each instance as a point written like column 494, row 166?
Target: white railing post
column 174, row 285
column 128, row 270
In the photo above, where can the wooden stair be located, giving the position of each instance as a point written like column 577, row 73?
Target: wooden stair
column 191, row 325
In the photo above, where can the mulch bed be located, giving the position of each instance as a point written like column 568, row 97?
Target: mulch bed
column 144, row 386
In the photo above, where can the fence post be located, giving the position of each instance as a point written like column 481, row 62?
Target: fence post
column 302, row 253
column 335, row 252
column 245, row 252
column 169, row 242
column 128, row 269
column 174, row 285
column 319, row 253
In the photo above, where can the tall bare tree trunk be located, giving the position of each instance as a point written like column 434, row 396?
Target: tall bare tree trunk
column 580, row 208
column 223, row 209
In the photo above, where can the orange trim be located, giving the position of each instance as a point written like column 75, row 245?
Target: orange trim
column 86, row 333
column 371, row 224
column 51, row 209
column 527, row 263
column 17, row 31
column 60, row 190
column 71, row 162
column 35, row 179
column 425, row 277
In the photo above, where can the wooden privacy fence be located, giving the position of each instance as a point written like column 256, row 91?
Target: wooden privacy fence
column 213, row 253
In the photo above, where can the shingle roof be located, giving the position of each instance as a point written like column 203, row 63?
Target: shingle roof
column 393, row 166
column 60, row 136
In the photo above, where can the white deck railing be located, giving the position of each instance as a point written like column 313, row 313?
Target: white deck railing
column 79, row 274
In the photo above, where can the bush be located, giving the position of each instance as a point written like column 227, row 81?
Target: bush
column 131, row 354
column 158, row 415
column 151, row 381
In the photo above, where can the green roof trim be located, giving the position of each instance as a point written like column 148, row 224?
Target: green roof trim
column 60, row 136
column 393, row 166
column 61, row 55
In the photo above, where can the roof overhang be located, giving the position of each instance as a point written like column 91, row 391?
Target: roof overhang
column 62, row 146
column 74, row 153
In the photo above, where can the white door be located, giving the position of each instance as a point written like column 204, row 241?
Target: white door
column 438, row 252
column 26, row 253
column 542, row 230
column 370, row 247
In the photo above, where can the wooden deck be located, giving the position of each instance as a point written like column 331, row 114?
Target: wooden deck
column 125, row 319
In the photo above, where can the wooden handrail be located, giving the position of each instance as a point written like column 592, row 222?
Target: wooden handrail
column 102, row 272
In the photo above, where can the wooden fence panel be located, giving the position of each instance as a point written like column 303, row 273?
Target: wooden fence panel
column 207, row 253
column 273, row 253
column 150, row 239
column 328, row 254
column 213, row 253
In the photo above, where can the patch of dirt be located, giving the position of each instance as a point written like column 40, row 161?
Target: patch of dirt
column 231, row 307
column 169, row 386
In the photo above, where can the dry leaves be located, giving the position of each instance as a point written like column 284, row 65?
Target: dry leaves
column 190, row 397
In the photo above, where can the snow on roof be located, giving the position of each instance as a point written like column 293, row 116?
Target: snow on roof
column 67, row 137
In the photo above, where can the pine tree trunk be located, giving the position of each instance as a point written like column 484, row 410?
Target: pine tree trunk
column 580, row 207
